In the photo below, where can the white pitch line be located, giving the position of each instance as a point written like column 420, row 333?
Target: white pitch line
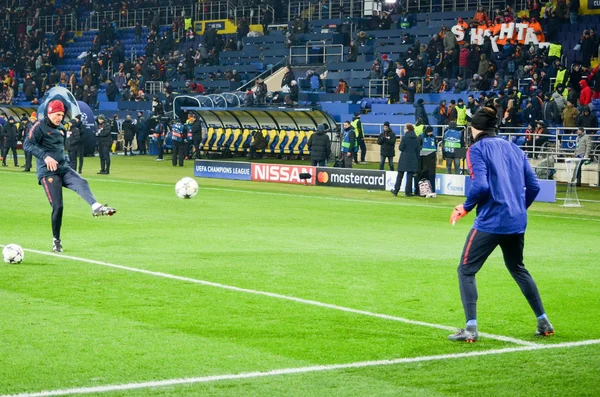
column 297, row 370
column 279, row 296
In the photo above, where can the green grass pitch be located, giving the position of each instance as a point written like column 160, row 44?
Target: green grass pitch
column 66, row 323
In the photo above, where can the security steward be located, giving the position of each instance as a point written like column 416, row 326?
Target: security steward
column 178, row 140
column 159, row 137
column 104, row 145
column 349, row 144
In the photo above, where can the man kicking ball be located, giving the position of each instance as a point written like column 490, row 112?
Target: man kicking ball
column 503, row 187
column 46, row 141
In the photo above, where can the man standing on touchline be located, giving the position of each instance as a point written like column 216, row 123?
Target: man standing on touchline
column 503, row 186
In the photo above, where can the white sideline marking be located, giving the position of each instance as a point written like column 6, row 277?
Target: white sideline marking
column 396, row 203
column 297, row 370
column 279, row 296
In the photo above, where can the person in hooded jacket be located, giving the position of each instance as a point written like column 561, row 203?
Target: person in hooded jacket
column 587, row 120
column 10, row 135
column 410, row 149
column 420, row 112
column 46, row 141
column 319, row 146
column 585, row 96
column 387, row 141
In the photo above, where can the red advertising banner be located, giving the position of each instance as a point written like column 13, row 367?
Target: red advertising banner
column 282, row 173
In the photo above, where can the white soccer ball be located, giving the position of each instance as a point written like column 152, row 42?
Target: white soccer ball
column 13, row 254
column 186, row 188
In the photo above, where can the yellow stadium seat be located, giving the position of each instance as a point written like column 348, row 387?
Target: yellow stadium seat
column 237, row 140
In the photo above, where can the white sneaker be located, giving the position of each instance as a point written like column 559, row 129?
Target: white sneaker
column 159, row 159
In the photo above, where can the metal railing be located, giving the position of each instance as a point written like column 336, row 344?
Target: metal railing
column 154, row 87
column 253, row 14
column 145, row 16
column 454, row 5
column 250, row 83
column 377, row 88
column 51, row 23
column 329, row 9
column 316, row 52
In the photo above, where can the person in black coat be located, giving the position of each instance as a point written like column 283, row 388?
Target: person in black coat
column 104, row 144
column 387, row 141
column 319, row 146
column 73, row 145
column 410, row 149
column 195, row 127
column 129, row 133
column 111, row 91
column 9, row 136
column 142, row 133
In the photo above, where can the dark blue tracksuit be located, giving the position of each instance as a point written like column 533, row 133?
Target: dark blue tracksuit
column 503, row 186
column 43, row 140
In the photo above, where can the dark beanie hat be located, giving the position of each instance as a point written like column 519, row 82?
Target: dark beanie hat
column 386, row 123
column 484, row 119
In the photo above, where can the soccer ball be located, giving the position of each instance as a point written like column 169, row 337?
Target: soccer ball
column 13, row 254
column 186, row 188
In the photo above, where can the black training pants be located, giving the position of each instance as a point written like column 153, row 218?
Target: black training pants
column 53, row 185
column 104, row 152
column 5, row 151
column 178, row 153
column 478, row 247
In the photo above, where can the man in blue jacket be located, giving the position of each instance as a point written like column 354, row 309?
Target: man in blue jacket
column 503, row 186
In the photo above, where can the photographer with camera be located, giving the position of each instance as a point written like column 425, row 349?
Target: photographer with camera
column 387, row 141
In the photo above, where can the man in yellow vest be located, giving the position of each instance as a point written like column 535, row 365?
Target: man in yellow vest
column 419, row 127
column 554, row 52
column 360, row 137
column 562, row 76
column 461, row 113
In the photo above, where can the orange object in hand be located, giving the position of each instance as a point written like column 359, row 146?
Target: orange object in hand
column 458, row 212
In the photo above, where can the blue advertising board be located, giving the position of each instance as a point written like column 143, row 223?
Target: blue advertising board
column 223, row 170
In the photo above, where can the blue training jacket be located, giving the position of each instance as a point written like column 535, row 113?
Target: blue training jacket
column 503, row 185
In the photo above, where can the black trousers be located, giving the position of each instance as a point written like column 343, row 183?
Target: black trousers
column 104, row 152
column 178, row 153
column 142, row 146
column 28, row 158
column 363, row 151
column 477, row 249
column 53, row 185
column 14, row 152
column 409, row 182
column 196, row 142
column 159, row 145
column 75, row 159
column 390, row 160
column 128, row 146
